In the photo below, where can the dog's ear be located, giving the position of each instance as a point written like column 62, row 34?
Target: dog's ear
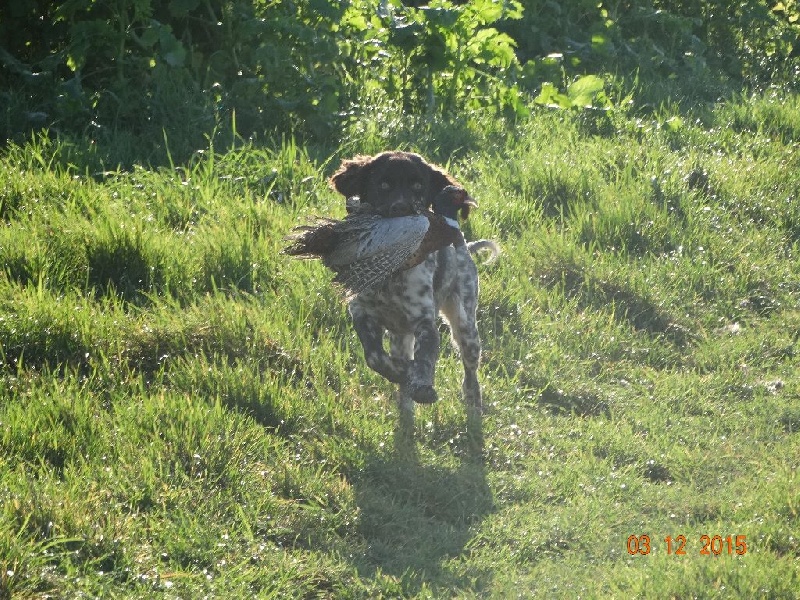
column 351, row 177
column 439, row 179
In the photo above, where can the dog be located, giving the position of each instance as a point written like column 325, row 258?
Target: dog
column 406, row 305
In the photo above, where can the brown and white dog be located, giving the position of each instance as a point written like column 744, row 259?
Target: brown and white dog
column 406, row 305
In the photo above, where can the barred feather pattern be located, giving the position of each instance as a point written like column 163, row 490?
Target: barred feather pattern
column 363, row 249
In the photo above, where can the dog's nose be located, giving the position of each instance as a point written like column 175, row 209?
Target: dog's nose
column 400, row 208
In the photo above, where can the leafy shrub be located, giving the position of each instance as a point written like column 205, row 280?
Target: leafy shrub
column 165, row 76
column 194, row 69
column 441, row 58
column 184, row 66
column 680, row 41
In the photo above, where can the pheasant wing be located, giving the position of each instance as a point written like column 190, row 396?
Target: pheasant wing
column 362, row 275
column 361, row 237
column 363, row 250
column 377, row 252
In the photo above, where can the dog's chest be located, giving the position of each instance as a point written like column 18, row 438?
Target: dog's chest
column 405, row 300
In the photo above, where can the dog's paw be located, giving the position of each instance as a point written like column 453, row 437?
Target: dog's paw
column 423, row 394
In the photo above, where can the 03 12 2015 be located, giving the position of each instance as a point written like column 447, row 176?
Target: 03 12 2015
column 707, row 545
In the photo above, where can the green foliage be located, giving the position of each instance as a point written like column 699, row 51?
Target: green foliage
column 190, row 68
column 681, row 48
column 152, row 79
column 199, row 69
column 442, row 57
column 585, row 92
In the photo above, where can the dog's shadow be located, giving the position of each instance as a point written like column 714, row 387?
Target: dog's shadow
column 415, row 517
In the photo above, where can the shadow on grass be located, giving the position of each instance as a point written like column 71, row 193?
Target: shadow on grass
column 415, row 516
column 582, row 403
column 631, row 306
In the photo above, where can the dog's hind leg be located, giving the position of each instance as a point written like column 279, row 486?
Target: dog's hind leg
column 463, row 326
column 401, row 346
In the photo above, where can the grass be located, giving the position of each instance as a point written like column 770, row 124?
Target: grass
column 186, row 412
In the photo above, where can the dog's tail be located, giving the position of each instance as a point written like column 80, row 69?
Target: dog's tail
column 481, row 245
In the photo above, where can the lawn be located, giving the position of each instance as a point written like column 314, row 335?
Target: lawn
column 186, row 412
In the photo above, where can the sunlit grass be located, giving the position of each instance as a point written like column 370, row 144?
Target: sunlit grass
column 186, row 412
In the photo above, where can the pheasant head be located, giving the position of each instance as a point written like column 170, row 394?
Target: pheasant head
column 453, row 202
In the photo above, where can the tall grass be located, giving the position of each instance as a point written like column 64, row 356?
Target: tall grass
column 186, row 412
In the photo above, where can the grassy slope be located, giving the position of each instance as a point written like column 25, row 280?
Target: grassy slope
column 185, row 412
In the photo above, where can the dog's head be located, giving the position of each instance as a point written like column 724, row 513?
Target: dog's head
column 391, row 184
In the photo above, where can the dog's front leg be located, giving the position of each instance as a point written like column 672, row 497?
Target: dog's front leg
column 370, row 334
column 423, row 367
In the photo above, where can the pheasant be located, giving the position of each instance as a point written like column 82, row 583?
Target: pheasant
column 365, row 249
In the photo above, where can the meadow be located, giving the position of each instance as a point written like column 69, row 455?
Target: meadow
column 186, row 412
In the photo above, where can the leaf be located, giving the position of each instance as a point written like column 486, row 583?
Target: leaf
column 176, row 57
column 485, row 11
column 355, row 21
column 493, row 47
column 150, row 35
column 181, row 8
column 583, row 91
column 550, row 96
column 405, row 35
column 440, row 17
column 171, row 47
column 674, row 124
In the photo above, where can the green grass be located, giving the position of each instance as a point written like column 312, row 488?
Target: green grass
column 186, row 412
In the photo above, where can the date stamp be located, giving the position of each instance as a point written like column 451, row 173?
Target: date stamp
column 679, row 545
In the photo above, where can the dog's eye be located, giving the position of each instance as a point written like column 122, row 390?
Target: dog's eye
column 385, row 185
column 416, row 186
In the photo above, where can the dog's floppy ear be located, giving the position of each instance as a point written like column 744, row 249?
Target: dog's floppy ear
column 351, row 177
column 439, row 178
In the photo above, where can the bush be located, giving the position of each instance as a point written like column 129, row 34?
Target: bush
column 751, row 42
column 164, row 76
column 188, row 67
